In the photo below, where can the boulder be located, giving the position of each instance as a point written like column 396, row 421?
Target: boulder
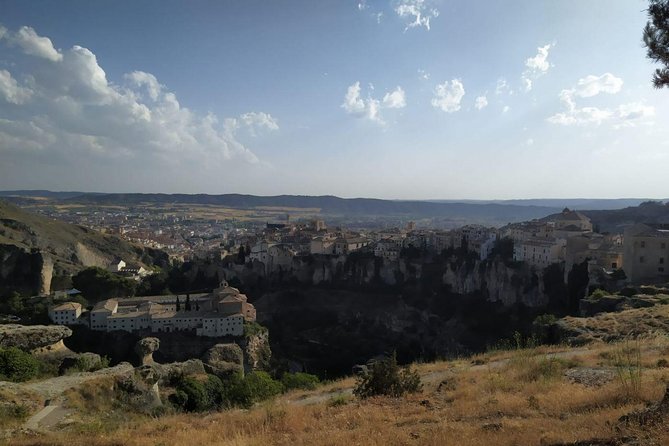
column 31, row 337
column 175, row 369
column 145, row 348
column 84, row 362
column 224, row 359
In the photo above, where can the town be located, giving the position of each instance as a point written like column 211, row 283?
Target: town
column 638, row 255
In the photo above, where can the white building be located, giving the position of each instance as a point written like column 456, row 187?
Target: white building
column 539, row 252
column 66, row 313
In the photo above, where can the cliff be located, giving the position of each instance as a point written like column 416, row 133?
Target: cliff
column 35, row 249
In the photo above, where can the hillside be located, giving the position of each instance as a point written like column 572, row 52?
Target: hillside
column 536, row 396
column 615, row 220
column 33, row 246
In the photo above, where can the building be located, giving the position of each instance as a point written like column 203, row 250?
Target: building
column 346, row 245
column 539, row 252
column 66, row 313
column 219, row 313
column 570, row 218
column 646, row 253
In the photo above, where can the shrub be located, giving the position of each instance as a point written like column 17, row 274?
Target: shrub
column 17, row 365
column 599, row 293
column 385, row 377
column 299, row 381
column 262, row 386
column 627, row 360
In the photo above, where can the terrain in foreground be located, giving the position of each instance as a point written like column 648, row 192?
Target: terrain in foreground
column 527, row 396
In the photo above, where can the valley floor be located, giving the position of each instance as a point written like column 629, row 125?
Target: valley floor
column 539, row 396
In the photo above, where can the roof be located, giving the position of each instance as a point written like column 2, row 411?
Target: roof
column 74, row 306
column 568, row 215
column 106, row 305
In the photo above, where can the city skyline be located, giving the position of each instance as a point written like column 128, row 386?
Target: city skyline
column 401, row 99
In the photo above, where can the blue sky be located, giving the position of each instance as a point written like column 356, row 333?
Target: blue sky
column 410, row 99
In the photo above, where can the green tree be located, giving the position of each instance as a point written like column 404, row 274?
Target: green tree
column 656, row 40
column 17, row 365
column 178, row 304
column 98, row 284
column 385, row 377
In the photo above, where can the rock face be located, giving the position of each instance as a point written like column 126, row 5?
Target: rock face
column 257, row 352
column 224, row 359
column 145, row 348
column 30, row 337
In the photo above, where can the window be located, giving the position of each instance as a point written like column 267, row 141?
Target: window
column 643, row 244
column 661, row 260
column 641, row 259
column 614, row 265
column 660, row 269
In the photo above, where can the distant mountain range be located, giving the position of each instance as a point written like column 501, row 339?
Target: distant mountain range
column 494, row 212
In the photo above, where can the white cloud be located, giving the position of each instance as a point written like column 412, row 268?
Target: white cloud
column 11, row 91
column 447, row 97
column 506, row 109
column 395, row 99
column 362, row 5
column 3, row 31
column 481, row 102
column 417, row 11
column 625, row 115
column 259, row 120
column 536, row 66
column 593, row 85
column 35, row 45
column 370, row 108
column 352, row 101
column 73, row 111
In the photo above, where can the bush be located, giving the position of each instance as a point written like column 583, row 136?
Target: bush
column 299, row 381
column 17, row 365
column 599, row 293
column 385, row 377
column 193, row 395
column 262, row 386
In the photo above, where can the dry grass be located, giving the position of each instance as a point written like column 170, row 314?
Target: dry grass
column 516, row 398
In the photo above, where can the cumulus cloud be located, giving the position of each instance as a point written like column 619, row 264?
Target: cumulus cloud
column 481, row 102
column 71, row 110
column 369, row 107
column 11, row 91
column 423, row 75
column 32, row 44
column 395, row 99
column 624, row 115
column 447, row 97
column 536, row 66
column 593, row 85
column 418, row 12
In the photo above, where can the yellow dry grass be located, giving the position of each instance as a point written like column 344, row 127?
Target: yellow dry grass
column 515, row 398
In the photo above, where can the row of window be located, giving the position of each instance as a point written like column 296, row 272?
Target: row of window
column 663, row 245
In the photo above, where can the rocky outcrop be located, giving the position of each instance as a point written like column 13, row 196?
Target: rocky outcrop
column 145, row 348
column 224, row 359
column 257, row 352
column 609, row 327
column 593, row 305
column 83, row 362
column 31, row 337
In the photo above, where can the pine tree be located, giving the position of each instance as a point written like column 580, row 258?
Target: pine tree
column 178, row 304
column 656, row 40
column 188, row 308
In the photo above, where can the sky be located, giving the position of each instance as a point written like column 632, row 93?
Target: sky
column 396, row 99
